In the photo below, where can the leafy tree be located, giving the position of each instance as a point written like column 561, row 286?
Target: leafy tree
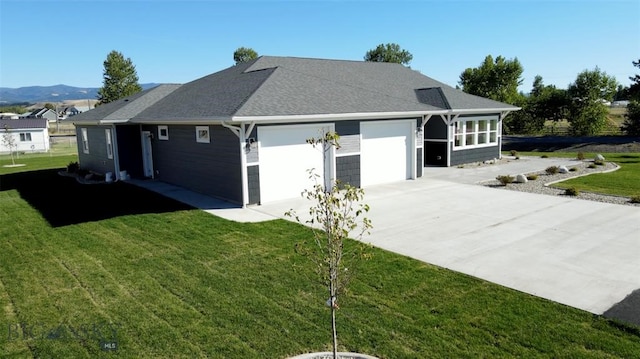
column 50, row 106
column 622, row 93
column 631, row 125
column 13, row 109
column 546, row 103
column 587, row 113
column 337, row 211
column 497, row 80
column 119, row 78
column 389, row 53
column 244, row 54
column 9, row 141
column 634, row 89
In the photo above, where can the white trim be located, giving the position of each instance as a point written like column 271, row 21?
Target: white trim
column 475, row 120
column 436, row 140
column 116, row 157
column 244, row 173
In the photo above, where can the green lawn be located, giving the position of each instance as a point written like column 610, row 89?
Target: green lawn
column 58, row 157
column 166, row 281
column 623, row 182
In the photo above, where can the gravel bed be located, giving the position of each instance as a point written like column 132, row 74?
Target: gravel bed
column 541, row 185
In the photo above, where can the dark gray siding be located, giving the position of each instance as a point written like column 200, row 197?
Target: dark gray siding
column 130, row 149
column 209, row 168
column 96, row 160
column 347, row 128
column 474, row 155
column 348, row 170
column 253, row 176
column 435, row 129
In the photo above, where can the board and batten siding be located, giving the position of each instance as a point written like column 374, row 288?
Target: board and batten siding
column 209, row 168
column 96, row 160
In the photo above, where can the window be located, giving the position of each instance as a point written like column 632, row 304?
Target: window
column 476, row 132
column 107, row 136
column 85, row 140
column 25, row 137
column 163, row 132
column 202, row 134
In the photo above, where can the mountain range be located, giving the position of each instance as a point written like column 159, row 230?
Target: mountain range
column 56, row 93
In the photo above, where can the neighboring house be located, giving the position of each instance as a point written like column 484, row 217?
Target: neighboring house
column 30, row 135
column 9, row 116
column 44, row 112
column 239, row 134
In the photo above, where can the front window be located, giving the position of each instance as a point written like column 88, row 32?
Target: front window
column 202, row 134
column 476, row 132
column 163, row 133
column 107, row 134
column 85, row 141
column 25, row 137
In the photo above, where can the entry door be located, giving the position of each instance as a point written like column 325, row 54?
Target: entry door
column 147, row 155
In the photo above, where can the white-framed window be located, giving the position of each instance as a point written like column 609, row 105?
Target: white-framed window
column 25, row 137
column 163, row 132
column 475, row 132
column 107, row 136
column 202, row 134
column 85, row 140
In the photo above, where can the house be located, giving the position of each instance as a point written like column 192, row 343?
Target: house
column 30, row 135
column 44, row 112
column 240, row 134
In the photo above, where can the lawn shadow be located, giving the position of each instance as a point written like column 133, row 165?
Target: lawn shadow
column 63, row 201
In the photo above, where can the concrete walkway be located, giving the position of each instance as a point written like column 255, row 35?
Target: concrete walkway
column 580, row 253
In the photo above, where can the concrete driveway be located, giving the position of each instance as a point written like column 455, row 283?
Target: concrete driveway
column 580, row 253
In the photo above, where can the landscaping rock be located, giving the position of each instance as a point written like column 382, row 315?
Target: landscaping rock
column 563, row 169
column 599, row 157
column 521, row 178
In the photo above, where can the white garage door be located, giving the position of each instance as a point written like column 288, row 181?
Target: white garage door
column 285, row 158
column 386, row 151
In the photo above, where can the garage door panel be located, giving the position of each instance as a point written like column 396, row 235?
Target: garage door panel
column 386, row 152
column 285, row 159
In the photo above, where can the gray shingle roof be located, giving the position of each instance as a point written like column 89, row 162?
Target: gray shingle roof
column 26, row 123
column 287, row 86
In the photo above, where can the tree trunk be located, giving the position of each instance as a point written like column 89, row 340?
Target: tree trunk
column 333, row 331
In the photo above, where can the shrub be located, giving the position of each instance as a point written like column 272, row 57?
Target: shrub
column 505, row 180
column 532, row 177
column 552, row 170
column 571, row 191
column 635, row 199
column 591, row 165
column 73, row 167
column 573, row 169
column 580, row 156
column 544, row 156
column 514, row 153
column 598, row 162
column 517, row 157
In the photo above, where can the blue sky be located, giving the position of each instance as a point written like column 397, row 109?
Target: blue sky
column 65, row 42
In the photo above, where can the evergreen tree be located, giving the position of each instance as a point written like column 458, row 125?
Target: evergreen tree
column 119, row 78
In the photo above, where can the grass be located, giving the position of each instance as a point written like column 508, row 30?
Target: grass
column 59, row 156
column 623, row 182
column 615, row 119
column 185, row 284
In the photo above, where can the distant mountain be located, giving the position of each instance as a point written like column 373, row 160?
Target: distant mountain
column 57, row 93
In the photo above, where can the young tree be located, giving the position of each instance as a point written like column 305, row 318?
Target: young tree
column 497, row 80
column 587, row 113
column 546, row 103
column 389, row 53
column 244, row 54
column 119, row 78
column 9, row 142
column 338, row 212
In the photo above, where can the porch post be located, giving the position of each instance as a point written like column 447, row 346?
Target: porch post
column 243, row 166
